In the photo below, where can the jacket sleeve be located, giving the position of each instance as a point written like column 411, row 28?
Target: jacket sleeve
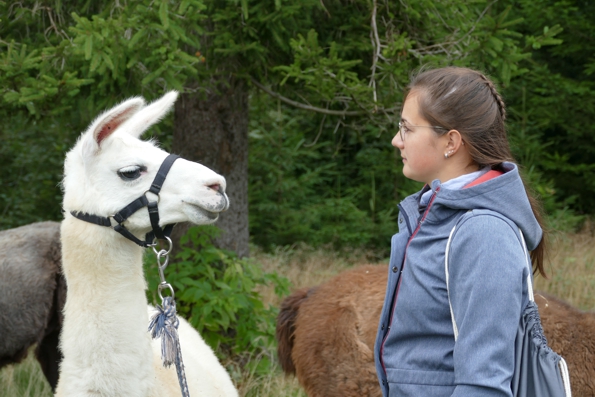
column 486, row 268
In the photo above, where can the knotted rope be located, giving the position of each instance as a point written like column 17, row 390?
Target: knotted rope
column 164, row 324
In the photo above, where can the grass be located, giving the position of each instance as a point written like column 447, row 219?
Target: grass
column 24, row 380
column 571, row 271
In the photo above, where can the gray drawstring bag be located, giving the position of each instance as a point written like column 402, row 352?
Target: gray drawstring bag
column 538, row 370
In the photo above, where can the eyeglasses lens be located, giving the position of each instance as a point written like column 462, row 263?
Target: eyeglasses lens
column 401, row 131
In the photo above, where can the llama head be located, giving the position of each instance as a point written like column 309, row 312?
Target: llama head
column 110, row 166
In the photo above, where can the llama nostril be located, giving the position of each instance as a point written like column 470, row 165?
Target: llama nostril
column 215, row 187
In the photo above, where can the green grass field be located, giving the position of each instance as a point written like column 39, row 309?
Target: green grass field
column 571, row 278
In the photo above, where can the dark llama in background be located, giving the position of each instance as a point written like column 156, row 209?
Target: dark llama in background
column 32, row 295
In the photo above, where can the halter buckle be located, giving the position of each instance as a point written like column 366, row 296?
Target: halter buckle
column 112, row 220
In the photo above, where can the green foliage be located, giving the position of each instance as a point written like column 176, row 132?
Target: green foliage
column 31, row 158
column 47, row 46
column 319, row 70
column 344, row 189
column 319, row 192
column 553, row 103
column 217, row 293
column 61, row 62
column 113, row 44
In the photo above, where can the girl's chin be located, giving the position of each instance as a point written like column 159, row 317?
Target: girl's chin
column 413, row 177
column 406, row 172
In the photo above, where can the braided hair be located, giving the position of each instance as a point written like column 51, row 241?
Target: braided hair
column 465, row 100
column 497, row 97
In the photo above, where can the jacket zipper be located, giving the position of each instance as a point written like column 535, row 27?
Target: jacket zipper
column 401, row 277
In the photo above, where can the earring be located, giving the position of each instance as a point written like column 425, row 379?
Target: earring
column 445, row 155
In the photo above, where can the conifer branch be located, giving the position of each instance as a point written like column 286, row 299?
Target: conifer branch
column 300, row 105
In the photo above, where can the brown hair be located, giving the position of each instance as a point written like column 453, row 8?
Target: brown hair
column 465, row 100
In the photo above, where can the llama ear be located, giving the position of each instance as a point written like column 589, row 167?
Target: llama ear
column 109, row 121
column 150, row 114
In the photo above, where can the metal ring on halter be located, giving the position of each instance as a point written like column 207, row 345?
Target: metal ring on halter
column 156, row 194
column 110, row 218
column 165, row 285
column 164, row 251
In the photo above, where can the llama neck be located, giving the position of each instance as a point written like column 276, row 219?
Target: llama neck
column 104, row 339
column 100, row 264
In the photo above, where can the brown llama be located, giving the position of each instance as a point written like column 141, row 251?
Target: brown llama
column 32, row 295
column 570, row 333
column 326, row 335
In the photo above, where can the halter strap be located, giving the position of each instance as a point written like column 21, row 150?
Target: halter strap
column 142, row 201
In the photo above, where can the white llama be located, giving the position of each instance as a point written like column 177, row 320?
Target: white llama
column 106, row 346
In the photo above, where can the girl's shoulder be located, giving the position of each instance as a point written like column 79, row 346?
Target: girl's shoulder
column 479, row 224
column 484, row 215
column 489, row 235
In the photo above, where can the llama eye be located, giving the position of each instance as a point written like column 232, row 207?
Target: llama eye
column 130, row 173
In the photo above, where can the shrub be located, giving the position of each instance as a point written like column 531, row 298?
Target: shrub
column 215, row 292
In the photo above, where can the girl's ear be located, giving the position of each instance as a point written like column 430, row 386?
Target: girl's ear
column 454, row 141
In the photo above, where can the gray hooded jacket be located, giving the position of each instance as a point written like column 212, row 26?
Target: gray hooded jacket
column 415, row 352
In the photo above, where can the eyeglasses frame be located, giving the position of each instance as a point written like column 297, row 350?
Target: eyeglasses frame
column 401, row 125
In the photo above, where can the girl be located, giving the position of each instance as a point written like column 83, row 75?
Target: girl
column 452, row 136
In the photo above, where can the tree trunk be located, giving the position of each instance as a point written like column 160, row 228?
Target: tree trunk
column 212, row 129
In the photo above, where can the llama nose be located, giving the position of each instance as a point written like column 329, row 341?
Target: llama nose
column 216, row 187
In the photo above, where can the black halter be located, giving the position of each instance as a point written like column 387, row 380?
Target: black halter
column 134, row 206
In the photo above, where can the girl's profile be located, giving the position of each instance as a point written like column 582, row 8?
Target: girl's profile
column 452, row 137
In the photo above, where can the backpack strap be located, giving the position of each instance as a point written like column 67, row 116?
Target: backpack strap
column 562, row 366
column 529, row 282
column 452, row 315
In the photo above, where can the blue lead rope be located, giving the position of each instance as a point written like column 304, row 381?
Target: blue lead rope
column 164, row 325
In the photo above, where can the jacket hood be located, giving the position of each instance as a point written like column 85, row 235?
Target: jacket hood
column 504, row 194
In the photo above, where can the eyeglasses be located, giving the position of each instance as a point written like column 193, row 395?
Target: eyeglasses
column 404, row 130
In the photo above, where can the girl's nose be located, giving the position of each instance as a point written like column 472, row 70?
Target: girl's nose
column 397, row 141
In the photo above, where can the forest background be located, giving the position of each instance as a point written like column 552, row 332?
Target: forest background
column 296, row 103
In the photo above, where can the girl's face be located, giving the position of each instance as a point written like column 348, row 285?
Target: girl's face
column 421, row 148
